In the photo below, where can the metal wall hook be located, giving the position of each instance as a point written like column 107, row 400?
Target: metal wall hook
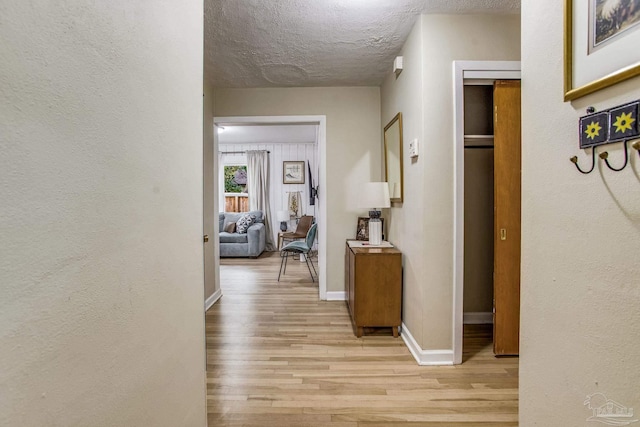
column 574, row 160
column 636, row 146
column 605, row 156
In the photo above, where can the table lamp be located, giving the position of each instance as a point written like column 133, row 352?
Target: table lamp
column 375, row 195
column 283, row 217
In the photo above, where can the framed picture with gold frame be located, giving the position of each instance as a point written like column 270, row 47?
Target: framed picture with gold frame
column 393, row 171
column 600, row 44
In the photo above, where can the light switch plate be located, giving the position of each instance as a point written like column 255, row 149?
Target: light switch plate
column 413, row 148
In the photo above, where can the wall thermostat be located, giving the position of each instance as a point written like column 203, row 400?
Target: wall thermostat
column 413, row 148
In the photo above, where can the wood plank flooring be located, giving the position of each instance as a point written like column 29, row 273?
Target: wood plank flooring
column 277, row 356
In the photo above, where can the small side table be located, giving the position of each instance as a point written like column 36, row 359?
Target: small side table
column 373, row 277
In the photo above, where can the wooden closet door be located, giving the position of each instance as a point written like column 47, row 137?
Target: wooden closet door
column 507, row 165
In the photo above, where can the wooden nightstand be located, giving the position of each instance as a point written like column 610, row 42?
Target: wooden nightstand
column 373, row 277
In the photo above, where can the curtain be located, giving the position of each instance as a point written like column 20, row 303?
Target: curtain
column 258, row 189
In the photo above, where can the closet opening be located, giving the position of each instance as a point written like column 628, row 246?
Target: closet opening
column 478, row 210
column 487, row 208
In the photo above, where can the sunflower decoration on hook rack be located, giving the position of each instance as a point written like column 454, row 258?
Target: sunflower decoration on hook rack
column 618, row 124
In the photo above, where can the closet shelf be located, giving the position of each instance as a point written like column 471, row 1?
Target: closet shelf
column 478, row 141
column 478, row 137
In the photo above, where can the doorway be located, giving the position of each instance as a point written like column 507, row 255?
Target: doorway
column 318, row 172
column 474, row 195
column 284, row 144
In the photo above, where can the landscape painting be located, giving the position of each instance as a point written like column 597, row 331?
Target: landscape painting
column 293, row 172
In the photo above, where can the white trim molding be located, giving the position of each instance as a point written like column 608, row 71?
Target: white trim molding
column 472, row 72
column 337, row 296
column 426, row 357
column 478, row 318
column 212, row 299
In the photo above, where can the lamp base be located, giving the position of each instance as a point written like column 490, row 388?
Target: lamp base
column 283, row 226
column 375, row 231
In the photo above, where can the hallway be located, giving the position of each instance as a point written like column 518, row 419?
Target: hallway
column 276, row 356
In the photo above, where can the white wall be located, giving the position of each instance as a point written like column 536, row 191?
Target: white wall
column 580, row 240
column 353, row 148
column 422, row 227
column 405, row 95
column 210, row 189
column 278, row 192
column 101, row 319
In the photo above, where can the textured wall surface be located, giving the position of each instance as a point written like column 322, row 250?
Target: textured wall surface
column 405, row 95
column 101, row 319
column 580, row 242
column 423, row 226
column 353, row 148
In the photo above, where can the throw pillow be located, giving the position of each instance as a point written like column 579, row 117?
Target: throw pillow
column 244, row 223
column 230, row 228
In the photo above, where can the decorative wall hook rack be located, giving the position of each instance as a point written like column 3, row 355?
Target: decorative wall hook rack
column 617, row 124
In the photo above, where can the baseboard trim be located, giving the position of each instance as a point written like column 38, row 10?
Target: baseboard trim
column 212, row 299
column 337, row 296
column 477, row 318
column 425, row 357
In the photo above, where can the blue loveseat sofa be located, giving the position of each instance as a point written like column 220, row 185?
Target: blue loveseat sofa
column 249, row 244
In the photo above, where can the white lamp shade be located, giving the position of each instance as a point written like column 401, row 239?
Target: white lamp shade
column 375, row 195
column 282, row 216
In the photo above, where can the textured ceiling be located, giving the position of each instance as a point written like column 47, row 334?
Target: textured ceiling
column 280, row 43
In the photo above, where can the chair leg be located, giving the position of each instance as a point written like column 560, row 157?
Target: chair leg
column 282, row 262
column 312, row 266
column 286, row 260
column 309, row 268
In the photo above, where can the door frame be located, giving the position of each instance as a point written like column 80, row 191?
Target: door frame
column 321, row 121
column 466, row 71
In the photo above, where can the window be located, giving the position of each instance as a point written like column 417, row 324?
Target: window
column 236, row 198
column 235, row 179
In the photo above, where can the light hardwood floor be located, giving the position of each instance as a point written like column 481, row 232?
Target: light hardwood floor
column 277, row 356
